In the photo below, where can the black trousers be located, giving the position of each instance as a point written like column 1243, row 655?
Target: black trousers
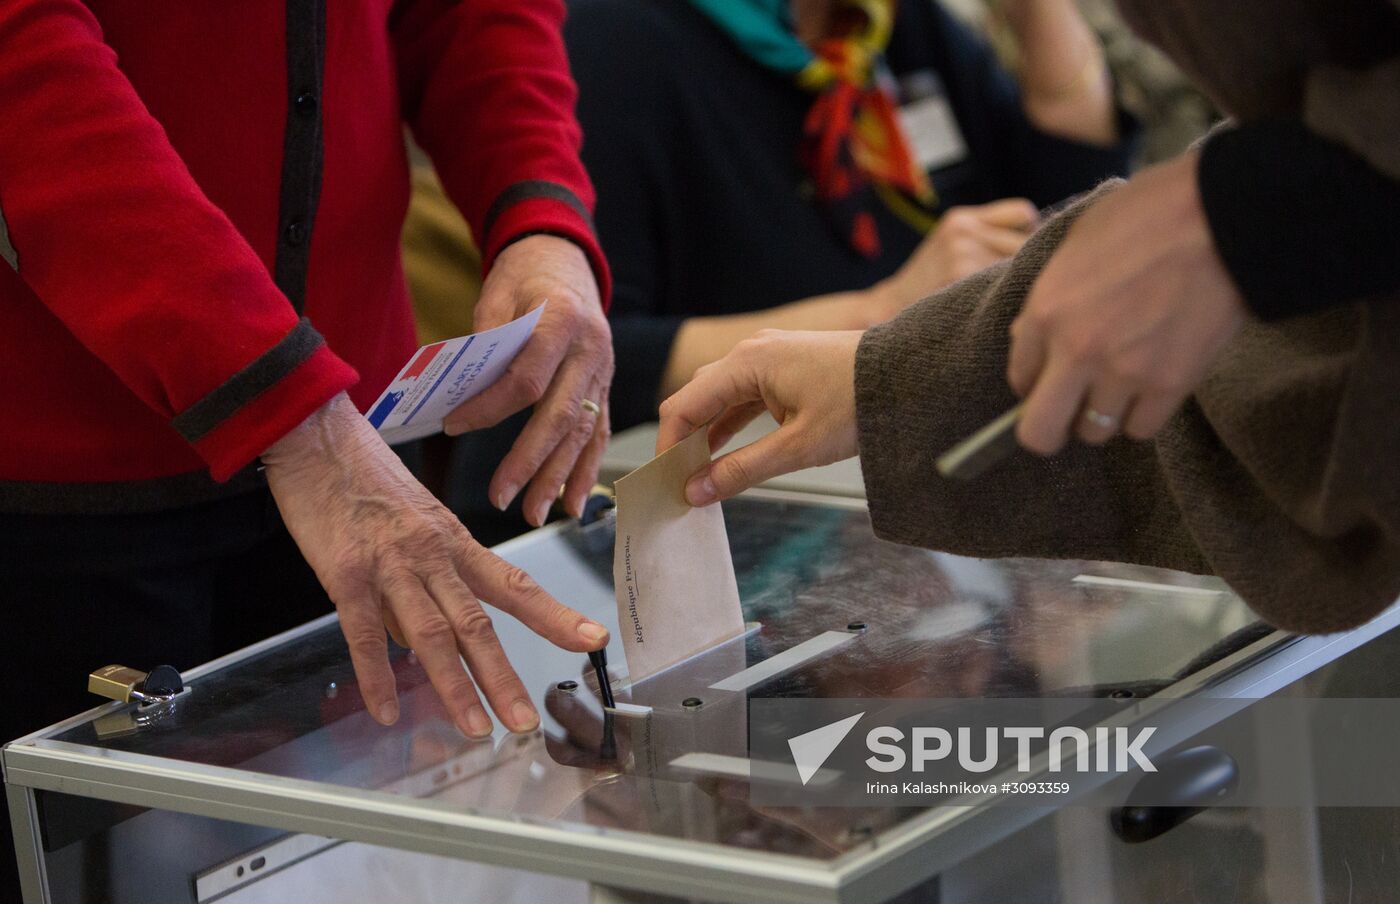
column 178, row 587
column 470, row 460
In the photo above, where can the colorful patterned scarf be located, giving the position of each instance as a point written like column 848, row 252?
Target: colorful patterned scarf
column 853, row 146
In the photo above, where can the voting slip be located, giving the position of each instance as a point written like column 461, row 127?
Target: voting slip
column 441, row 376
column 676, row 593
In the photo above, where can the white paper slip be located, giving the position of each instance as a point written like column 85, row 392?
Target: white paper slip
column 441, row 376
column 676, row 592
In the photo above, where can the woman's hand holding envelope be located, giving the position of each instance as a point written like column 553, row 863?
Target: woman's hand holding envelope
column 806, row 380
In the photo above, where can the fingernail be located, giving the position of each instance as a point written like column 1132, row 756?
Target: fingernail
column 506, row 495
column 388, row 713
column 478, row 723
column 592, row 632
column 453, row 429
column 541, row 513
column 524, row 716
column 701, row 491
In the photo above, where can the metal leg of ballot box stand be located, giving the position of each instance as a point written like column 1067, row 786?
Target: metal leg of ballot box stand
column 24, row 821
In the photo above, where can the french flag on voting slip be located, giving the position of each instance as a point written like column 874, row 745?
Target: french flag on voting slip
column 441, row 376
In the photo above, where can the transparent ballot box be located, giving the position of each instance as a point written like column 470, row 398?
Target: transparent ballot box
column 267, row 781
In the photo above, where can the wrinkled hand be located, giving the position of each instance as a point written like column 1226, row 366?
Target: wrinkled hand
column 806, row 380
column 391, row 556
column 1126, row 319
column 966, row 239
column 568, row 359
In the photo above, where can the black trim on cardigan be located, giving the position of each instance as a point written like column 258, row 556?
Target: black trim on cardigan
column 262, row 374
column 527, row 191
column 302, row 150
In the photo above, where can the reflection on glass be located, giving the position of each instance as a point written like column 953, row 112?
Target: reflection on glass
column 923, row 624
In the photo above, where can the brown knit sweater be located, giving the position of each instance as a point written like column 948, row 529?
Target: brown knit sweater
column 1281, row 475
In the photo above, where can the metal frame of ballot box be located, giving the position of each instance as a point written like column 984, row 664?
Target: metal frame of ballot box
column 888, row 862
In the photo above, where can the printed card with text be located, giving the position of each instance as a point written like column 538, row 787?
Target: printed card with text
column 441, row 376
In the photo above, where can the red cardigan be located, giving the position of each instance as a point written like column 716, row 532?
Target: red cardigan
column 183, row 181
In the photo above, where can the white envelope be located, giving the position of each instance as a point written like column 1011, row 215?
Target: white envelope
column 676, row 591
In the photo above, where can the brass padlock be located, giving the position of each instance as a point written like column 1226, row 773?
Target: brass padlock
column 116, row 682
column 123, row 684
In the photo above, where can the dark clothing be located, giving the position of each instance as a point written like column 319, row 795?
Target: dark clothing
column 179, row 587
column 471, row 462
column 1297, row 199
column 704, row 208
column 1300, row 222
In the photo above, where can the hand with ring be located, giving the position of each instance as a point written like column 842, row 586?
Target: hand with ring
column 1126, row 319
column 564, row 371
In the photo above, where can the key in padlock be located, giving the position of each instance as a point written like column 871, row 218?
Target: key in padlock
column 124, row 684
column 164, row 681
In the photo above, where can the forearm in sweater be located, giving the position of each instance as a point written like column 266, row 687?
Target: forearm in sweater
column 934, row 375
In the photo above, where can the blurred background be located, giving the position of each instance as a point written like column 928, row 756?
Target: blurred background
column 664, row 325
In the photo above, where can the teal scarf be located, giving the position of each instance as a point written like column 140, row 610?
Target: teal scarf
column 853, row 145
column 763, row 28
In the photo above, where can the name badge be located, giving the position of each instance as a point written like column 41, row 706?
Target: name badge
column 929, row 124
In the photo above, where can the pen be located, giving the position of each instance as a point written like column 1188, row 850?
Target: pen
column 981, row 450
column 607, row 748
column 599, row 658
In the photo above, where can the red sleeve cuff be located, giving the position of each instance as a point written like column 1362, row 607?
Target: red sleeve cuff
column 246, row 433
column 531, row 208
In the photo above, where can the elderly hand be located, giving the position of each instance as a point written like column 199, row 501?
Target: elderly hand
column 806, row 380
column 1126, row 319
column 966, row 239
column 568, row 360
column 389, row 555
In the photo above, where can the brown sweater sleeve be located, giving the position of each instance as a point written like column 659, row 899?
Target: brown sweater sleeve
column 1273, row 476
column 1358, row 108
column 935, row 374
